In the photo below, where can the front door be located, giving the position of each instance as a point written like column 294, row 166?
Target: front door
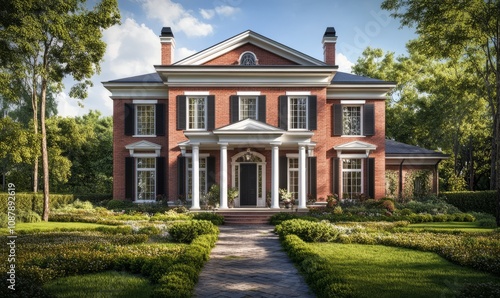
column 248, row 184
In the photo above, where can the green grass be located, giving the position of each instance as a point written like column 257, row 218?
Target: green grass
column 380, row 271
column 52, row 226
column 450, row 226
column 106, row 284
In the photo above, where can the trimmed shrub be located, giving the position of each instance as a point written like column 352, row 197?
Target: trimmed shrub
column 216, row 219
column 187, row 231
column 308, row 231
column 467, row 201
column 119, row 204
column 278, row 218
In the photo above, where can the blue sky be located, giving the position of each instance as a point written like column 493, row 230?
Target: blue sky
column 134, row 47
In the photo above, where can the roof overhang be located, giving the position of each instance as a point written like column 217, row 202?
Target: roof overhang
column 257, row 76
column 136, row 90
column 413, row 160
column 359, row 91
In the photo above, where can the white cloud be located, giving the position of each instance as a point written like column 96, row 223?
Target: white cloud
column 343, row 62
column 182, row 53
column 207, row 14
column 132, row 49
column 176, row 16
column 226, row 11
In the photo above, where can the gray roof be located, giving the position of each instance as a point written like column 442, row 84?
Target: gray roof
column 349, row 78
column 153, row 77
column 401, row 149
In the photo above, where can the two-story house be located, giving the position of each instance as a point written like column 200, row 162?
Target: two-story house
column 252, row 113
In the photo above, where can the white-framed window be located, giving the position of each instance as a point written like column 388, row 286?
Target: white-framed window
column 196, row 113
column 248, row 107
column 352, row 177
column 248, row 58
column 202, row 175
column 145, row 120
column 146, row 178
column 293, row 177
column 352, row 120
column 297, row 112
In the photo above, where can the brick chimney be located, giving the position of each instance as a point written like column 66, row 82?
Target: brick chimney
column 167, row 46
column 329, row 41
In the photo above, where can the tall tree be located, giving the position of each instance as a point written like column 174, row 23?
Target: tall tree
column 468, row 30
column 60, row 38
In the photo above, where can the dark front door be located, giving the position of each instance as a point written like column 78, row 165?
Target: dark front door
column 248, row 184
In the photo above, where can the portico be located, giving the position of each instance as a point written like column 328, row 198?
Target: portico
column 247, row 140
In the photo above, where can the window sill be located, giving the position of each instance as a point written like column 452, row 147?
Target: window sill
column 144, row 201
column 352, row 136
column 144, row 136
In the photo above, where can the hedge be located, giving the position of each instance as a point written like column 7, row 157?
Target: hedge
column 467, row 201
column 34, row 201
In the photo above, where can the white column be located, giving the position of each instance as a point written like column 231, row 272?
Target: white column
column 302, row 176
column 223, row 176
column 195, row 192
column 275, row 176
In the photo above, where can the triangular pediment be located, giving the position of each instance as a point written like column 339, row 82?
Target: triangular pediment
column 356, row 146
column 250, row 37
column 143, row 145
column 249, row 125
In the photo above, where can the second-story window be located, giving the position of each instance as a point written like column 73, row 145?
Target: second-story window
column 248, row 108
column 145, row 123
column 351, row 120
column 196, row 113
column 298, row 112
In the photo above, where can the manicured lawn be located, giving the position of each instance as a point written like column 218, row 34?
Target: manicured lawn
column 450, row 226
column 106, row 284
column 49, row 226
column 380, row 271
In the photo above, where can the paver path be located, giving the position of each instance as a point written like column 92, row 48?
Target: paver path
column 248, row 261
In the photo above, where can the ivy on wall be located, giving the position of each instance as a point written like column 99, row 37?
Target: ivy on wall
column 417, row 183
column 391, row 183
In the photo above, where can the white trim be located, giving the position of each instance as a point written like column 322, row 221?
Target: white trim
column 197, row 117
column 145, row 101
column 136, row 118
column 353, row 102
column 201, row 155
column 342, row 171
column 144, row 136
column 298, row 93
column 144, row 155
column 290, row 113
column 248, row 93
column 196, row 93
column 240, row 108
column 292, row 155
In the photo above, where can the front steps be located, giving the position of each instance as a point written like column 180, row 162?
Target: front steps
column 251, row 216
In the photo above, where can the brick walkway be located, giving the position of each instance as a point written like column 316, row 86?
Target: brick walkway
column 248, row 261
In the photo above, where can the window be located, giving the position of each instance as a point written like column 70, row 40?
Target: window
column 351, row 120
column 352, row 178
column 293, row 177
column 202, row 173
column 248, row 108
column 297, row 112
column 145, row 124
column 248, row 58
column 196, row 113
column 146, row 179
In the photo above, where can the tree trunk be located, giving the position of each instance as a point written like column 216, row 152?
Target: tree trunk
column 34, row 105
column 45, row 155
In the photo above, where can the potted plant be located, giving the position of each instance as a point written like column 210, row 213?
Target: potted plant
column 286, row 197
column 232, row 193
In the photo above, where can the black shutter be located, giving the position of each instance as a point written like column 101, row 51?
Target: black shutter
column 211, row 112
column 369, row 120
column 160, row 176
column 261, row 113
column 337, row 120
column 234, row 108
column 283, row 112
column 181, row 176
column 283, row 180
column 311, row 177
column 181, row 112
column 210, row 172
column 335, row 176
column 129, row 119
column 370, row 171
column 160, row 119
column 130, row 178
column 313, row 113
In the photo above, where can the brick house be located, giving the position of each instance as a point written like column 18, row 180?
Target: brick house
column 257, row 115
